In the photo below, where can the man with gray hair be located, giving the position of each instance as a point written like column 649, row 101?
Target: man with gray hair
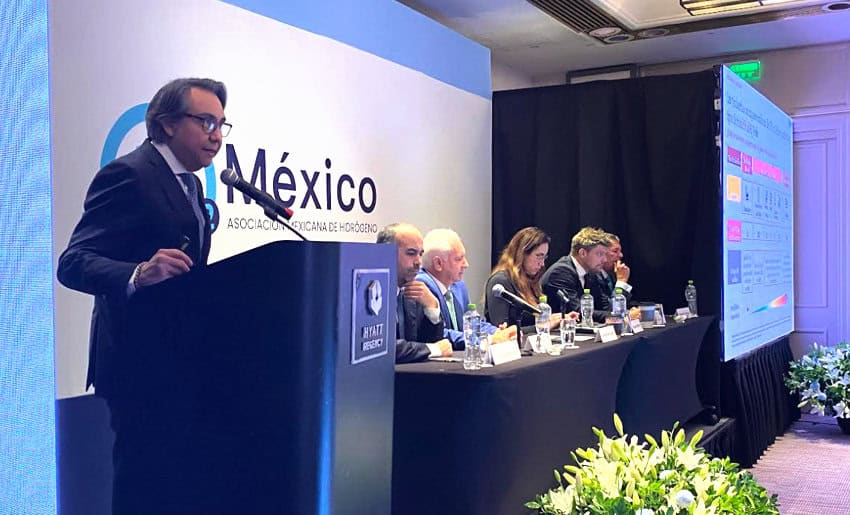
column 443, row 263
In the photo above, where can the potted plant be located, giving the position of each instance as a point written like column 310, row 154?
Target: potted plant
column 822, row 379
column 625, row 476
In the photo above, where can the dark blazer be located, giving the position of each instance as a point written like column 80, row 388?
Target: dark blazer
column 460, row 299
column 134, row 206
column 418, row 330
column 604, row 290
column 496, row 310
column 562, row 275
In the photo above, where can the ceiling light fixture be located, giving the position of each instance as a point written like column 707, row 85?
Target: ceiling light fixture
column 619, row 38
column 604, row 32
column 836, row 6
column 653, row 33
column 702, row 7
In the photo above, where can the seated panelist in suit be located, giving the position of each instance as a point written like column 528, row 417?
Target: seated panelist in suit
column 443, row 264
column 144, row 222
column 578, row 271
column 615, row 274
column 419, row 326
column 519, row 270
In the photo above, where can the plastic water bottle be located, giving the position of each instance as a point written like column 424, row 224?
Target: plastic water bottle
column 471, row 330
column 691, row 297
column 541, row 325
column 484, row 356
column 586, row 306
column 618, row 309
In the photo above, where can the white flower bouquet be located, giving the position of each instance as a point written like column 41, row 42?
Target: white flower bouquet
column 822, row 378
column 624, row 476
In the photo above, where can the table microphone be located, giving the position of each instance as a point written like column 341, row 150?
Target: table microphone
column 514, row 300
column 564, row 301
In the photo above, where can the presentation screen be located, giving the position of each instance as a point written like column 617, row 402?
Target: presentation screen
column 758, row 218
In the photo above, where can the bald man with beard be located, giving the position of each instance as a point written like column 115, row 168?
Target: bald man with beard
column 419, row 325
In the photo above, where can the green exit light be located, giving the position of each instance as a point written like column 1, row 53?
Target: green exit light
column 750, row 70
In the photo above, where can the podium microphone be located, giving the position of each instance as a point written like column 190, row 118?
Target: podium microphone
column 263, row 199
column 514, row 300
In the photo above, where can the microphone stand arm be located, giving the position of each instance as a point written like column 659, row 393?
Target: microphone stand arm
column 515, row 318
column 279, row 219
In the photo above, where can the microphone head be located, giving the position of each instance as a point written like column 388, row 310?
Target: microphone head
column 498, row 289
column 229, row 177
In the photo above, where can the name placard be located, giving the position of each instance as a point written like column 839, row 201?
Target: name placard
column 504, row 352
column 636, row 326
column 606, row 334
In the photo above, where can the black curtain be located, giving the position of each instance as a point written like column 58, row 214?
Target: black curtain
column 636, row 157
column 754, row 393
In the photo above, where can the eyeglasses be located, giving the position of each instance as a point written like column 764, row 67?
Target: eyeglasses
column 210, row 124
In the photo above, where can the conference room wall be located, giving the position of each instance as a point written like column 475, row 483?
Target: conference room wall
column 806, row 80
column 504, row 77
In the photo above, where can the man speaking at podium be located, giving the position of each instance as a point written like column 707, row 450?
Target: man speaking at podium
column 144, row 222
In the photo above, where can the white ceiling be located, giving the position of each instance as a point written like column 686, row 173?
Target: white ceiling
column 528, row 40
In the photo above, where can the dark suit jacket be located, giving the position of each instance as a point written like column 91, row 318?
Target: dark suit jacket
column 460, row 298
column 605, row 290
column 134, row 206
column 562, row 275
column 418, row 330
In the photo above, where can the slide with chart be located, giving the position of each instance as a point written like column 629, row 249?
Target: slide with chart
column 758, row 218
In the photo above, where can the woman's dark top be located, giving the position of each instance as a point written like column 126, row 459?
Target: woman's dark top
column 496, row 309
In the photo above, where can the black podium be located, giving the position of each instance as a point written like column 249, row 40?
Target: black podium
column 275, row 367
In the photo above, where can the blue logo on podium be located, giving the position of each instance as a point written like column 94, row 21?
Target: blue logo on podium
column 371, row 330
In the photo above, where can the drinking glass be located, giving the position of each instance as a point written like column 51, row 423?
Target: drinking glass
column 568, row 332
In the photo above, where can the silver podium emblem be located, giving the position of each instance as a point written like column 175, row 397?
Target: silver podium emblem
column 374, row 297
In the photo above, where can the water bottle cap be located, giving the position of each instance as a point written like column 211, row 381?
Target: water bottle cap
column 618, row 290
column 544, row 298
column 470, row 307
column 690, row 281
column 587, row 290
